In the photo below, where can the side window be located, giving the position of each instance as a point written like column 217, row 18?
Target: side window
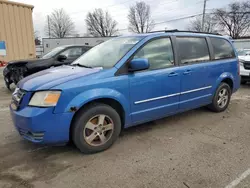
column 222, row 48
column 72, row 52
column 192, row 50
column 158, row 52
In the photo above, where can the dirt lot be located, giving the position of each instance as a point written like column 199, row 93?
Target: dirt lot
column 196, row 149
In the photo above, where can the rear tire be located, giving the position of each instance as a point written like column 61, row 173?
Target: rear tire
column 221, row 98
column 96, row 128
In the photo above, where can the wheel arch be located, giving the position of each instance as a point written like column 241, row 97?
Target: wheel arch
column 117, row 102
column 226, row 78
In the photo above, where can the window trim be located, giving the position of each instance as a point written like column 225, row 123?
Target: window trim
column 123, row 70
column 192, row 63
column 213, row 49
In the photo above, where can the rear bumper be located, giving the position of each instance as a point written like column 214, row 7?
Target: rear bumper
column 41, row 125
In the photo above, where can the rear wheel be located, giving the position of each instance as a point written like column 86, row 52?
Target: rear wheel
column 221, row 98
column 96, row 128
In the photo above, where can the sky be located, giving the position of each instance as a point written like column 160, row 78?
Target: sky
column 161, row 11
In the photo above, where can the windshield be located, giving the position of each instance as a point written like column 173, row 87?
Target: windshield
column 243, row 52
column 107, row 54
column 53, row 52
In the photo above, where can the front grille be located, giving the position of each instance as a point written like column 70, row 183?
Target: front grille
column 38, row 136
column 247, row 65
column 17, row 96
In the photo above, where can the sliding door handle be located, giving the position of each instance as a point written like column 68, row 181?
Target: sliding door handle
column 187, row 72
column 173, row 74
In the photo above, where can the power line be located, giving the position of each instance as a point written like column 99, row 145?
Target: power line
column 169, row 11
column 176, row 19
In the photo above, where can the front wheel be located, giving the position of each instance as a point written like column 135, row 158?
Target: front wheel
column 242, row 81
column 96, row 128
column 221, row 98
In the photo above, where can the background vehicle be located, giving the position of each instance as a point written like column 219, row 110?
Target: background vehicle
column 63, row 55
column 124, row 82
column 244, row 57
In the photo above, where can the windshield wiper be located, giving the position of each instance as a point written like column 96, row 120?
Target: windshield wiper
column 79, row 65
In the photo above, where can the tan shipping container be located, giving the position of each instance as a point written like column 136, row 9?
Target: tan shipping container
column 16, row 29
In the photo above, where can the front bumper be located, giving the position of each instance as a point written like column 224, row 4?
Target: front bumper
column 41, row 125
column 244, row 72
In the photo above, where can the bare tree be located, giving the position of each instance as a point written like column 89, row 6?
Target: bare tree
column 235, row 19
column 139, row 18
column 100, row 23
column 210, row 24
column 59, row 24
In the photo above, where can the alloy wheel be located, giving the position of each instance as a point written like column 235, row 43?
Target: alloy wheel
column 98, row 130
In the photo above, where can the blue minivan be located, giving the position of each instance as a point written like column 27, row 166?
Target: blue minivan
column 123, row 82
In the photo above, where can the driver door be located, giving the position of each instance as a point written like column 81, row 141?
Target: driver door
column 155, row 92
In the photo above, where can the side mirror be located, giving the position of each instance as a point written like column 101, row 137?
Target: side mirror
column 138, row 65
column 61, row 57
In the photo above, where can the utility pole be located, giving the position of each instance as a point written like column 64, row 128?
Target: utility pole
column 203, row 15
column 48, row 25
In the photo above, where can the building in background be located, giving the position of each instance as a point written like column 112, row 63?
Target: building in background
column 242, row 43
column 51, row 43
column 16, row 30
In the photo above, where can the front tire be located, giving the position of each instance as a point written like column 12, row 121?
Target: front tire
column 221, row 98
column 96, row 128
column 242, row 81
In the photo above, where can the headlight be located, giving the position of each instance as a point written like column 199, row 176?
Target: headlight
column 45, row 98
column 241, row 62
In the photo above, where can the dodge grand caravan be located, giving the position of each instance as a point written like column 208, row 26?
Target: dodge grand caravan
column 123, row 82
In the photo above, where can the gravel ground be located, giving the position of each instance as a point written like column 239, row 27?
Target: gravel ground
column 195, row 149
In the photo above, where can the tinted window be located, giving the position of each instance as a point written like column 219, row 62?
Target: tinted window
column 222, row 48
column 192, row 50
column 158, row 52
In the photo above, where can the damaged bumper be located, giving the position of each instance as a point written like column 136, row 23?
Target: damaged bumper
column 13, row 74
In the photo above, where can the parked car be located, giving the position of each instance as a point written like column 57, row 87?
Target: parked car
column 123, row 82
column 244, row 57
column 63, row 55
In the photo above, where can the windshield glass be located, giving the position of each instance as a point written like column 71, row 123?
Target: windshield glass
column 107, row 54
column 243, row 52
column 53, row 52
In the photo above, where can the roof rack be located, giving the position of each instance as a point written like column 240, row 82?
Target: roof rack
column 176, row 30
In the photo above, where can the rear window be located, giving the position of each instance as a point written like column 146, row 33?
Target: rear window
column 192, row 49
column 222, row 49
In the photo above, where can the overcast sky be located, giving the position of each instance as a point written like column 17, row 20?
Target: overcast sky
column 161, row 10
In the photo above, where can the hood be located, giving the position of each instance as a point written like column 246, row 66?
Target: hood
column 245, row 58
column 22, row 61
column 30, row 63
column 54, row 76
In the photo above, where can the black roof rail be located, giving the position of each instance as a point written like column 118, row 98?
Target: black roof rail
column 176, row 30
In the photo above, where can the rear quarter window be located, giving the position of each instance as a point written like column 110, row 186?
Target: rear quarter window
column 222, row 48
column 192, row 49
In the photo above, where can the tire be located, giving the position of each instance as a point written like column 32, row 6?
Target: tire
column 89, row 127
column 242, row 81
column 215, row 105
